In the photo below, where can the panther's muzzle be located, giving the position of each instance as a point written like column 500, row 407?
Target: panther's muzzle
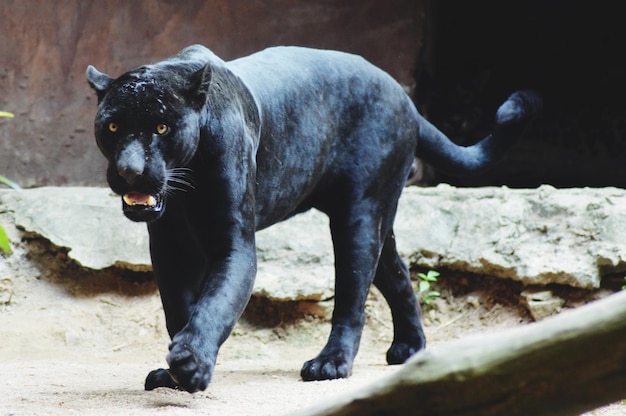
column 142, row 207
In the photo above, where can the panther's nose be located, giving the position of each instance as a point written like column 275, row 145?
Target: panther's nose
column 129, row 173
column 131, row 162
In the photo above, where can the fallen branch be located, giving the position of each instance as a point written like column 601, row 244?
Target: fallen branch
column 564, row 365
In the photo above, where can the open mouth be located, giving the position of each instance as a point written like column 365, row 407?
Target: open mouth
column 141, row 207
column 135, row 199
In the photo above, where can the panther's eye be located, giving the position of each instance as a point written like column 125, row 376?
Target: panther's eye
column 113, row 127
column 162, row 128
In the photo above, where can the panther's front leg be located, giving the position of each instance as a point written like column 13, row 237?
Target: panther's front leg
column 202, row 300
column 193, row 350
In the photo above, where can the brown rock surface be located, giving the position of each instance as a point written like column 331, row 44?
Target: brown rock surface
column 46, row 47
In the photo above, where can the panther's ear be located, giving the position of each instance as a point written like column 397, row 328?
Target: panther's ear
column 199, row 83
column 99, row 81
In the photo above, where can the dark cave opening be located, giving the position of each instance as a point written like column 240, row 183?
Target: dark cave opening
column 477, row 53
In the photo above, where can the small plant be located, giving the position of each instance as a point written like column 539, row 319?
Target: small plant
column 427, row 294
column 9, row 183
column 5, row 243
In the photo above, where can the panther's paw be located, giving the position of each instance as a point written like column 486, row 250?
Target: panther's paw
column 399, row 352
column 326, row 367
column 160, row 378
column 187, row 368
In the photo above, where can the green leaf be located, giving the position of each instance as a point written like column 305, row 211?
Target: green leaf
column 6, row 114
column 424, row 286
column 5, row 244
column 432, row 275
column 9, row 183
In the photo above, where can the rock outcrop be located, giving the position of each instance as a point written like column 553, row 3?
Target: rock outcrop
column 536, row 236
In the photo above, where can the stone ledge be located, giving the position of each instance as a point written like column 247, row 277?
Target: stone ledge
column 536, row 236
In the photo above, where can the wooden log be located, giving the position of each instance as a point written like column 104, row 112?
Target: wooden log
column 564, row 365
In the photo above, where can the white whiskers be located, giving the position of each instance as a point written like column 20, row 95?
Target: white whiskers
column 179, row 179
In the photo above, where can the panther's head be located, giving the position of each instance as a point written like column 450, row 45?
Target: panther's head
column 148, row 129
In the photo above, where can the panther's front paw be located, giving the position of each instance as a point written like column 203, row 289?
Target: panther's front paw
column 326, row 367
column 187, row 368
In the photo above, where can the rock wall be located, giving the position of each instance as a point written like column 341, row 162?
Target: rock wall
column 566, row 236
column 46, row 46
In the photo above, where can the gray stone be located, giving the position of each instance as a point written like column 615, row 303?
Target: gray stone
column 6, row 290
column 541, row 303
column 295, row 259
column 86, row 221
column 537, row 236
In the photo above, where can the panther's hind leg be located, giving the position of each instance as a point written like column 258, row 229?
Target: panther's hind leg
column 393, row 281
column 357, row 244
column 160, row 378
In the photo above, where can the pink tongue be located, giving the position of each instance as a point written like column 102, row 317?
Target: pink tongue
column 135, row 198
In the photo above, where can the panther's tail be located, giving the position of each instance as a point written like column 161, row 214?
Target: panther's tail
column 512, row 118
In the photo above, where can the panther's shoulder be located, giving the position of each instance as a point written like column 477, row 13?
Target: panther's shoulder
column 300, row 54
column 193, row 55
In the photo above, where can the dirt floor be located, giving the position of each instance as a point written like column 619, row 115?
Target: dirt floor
column 77, row 342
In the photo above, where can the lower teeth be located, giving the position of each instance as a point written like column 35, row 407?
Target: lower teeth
column 149, row 202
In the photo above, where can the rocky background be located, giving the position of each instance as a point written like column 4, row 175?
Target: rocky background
column 45, row 48
column 457, row 59
column 541, row 238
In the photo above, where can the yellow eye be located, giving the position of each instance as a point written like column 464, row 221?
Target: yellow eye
column 162, row 128
column 113, row 127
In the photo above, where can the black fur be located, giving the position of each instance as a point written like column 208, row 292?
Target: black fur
column 252, row 142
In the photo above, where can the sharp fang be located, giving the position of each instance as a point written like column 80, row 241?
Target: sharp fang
column 128, row 200
column 151, row 201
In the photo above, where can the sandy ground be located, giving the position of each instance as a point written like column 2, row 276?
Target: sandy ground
column 74, row 342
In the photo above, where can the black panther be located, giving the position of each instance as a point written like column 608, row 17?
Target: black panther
column 206, row 152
